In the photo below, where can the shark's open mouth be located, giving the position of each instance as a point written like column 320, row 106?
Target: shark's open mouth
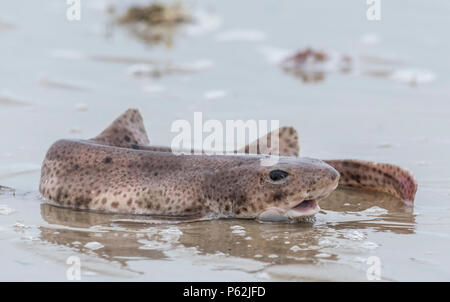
column 305, row 204
column 305, row 208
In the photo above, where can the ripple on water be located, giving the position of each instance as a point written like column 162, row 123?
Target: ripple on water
column 374, row 211
column 369, row 245
column 241, row 35
column 6, row 210
column 354, row 235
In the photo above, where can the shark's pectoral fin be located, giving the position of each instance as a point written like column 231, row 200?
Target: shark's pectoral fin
column 126, row 131
column 286, row 144
column 376, row 176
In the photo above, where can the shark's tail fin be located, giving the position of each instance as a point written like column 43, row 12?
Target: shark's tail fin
column 376, row 176
column 126, row 131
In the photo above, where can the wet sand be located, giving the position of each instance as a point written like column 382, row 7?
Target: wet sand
column 71, row 79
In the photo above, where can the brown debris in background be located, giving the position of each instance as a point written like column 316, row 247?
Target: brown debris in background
column 156, row 14
column 155, row 23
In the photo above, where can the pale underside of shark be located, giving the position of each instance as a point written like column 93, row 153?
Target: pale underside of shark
column 118, row 172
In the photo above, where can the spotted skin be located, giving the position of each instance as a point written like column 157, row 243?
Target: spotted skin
column 116, row 172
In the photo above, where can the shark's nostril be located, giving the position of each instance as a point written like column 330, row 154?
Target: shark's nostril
column 334, row 175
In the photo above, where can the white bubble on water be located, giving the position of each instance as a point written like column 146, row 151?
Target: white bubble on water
column 295, row 248
column 93, row 245
column 323, row 255
column 237, row 227
column 374, row 211
column 19, row 225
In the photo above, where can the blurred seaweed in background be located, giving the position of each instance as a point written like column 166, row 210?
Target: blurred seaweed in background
column 155, row 23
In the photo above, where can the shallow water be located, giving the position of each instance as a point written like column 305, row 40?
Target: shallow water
column 71, row 79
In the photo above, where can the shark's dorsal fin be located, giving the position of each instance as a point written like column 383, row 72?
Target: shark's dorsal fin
column 126, row 131
column 288, row 143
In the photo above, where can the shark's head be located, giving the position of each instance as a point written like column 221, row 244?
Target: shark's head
column 287, row 190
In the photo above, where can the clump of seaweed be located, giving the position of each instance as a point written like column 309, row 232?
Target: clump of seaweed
column 156, row 14
column 155, row 23
column 308, row 54
column 312, row 65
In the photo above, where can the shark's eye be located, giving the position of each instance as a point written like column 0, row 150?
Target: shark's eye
column 277, row 175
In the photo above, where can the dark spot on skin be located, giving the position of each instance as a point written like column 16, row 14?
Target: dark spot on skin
column 108, row 160
column 355, row 177
column 277, row 196
column 134, row 146
column 127, row 138
column 156, row 174
column 80, row 201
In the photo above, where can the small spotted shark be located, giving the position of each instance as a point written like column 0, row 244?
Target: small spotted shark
column 119, row 172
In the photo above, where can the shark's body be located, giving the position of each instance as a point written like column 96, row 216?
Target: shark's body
column 118, row 172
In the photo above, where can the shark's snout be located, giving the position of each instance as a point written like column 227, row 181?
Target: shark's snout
column 310, row 205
